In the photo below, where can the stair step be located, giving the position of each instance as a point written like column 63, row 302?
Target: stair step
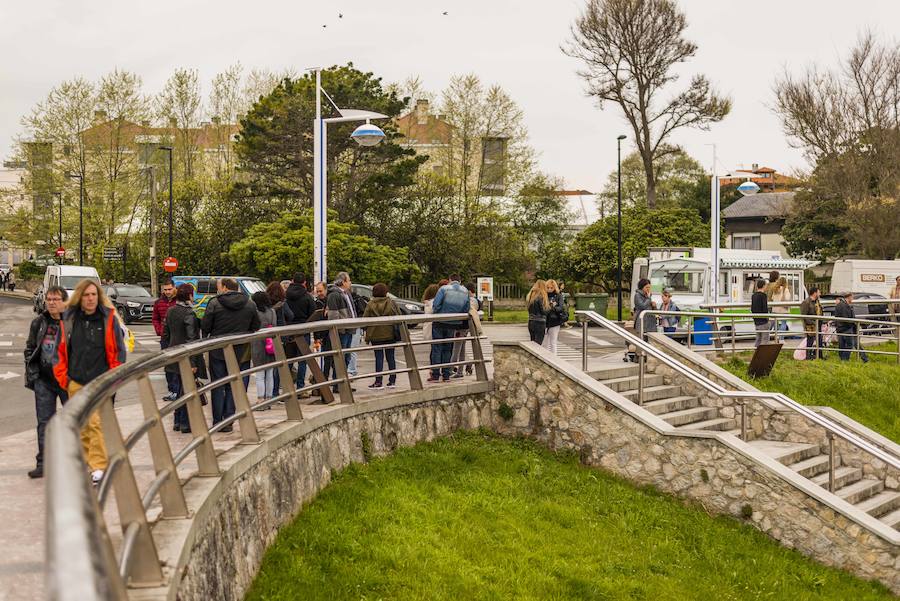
column 787, row 452
column 812, row 466
column 737, row 432
column 631, row 382
column 719, row 424
column 661, row 406
column 691, row 415
column 617, row 371
column 653, row 393
column 842, row 476
column 892, row 519
column 880, row 504
column 858, row 491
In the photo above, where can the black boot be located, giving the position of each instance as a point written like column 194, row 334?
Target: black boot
column 37, row 472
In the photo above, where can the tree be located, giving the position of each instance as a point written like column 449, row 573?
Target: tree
column 592, row 257
column 540, row 214
column 276, row 249
column 276, row 154
column 226, row 104
column 848, row 123
column 180, row 104
column 629, row 49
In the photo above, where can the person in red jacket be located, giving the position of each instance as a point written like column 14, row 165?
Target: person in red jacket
column 160, row 309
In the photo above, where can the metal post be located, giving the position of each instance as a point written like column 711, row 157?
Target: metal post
column 409, row 356
column 145, row 569
column 743, row 406
column 477, row 353
column 641, row 363
column 313, row 365
column 171, row 496
column 249, row 433
column 171, row 175
column 207, row 464
column 733, row 347
column 340, row 367
column 154, row 275
column 291, row 405
column 897, row 330
column 619, row 230
column 81, row 219
column 320, row 192
column 830, row 462
column 690, row 322
column 61, row 259
column 584, row 341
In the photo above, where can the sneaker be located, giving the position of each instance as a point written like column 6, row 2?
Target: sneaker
column 96, row 477
column 177, row 427
column 227, row 429
column 458, row 374
column 392, row 385
column 376, row 386
column 169, row 397
column 37, row 472
column 468, row 370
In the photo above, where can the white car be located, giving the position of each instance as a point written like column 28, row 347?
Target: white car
column 65, row 276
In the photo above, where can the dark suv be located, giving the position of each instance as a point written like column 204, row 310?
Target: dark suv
column 133, row 302
column 407, row 307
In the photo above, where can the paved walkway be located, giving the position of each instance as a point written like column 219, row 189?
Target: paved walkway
column 22, row 509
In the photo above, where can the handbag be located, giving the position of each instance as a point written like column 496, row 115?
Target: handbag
column 800, row 351
column 199, row 384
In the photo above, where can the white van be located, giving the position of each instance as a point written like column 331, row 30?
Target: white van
column 65, row 276
column 859, row 275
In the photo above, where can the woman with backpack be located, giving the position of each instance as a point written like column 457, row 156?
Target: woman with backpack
column 538, row 308
column 262, row 351
column 381, row 306
column 558, row 315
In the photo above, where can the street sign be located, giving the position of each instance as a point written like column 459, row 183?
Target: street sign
column 485, row 289
column 112, row 253
column 60, row 252
column 170, row 264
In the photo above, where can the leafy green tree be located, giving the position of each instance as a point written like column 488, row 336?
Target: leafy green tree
column 591, row 258
column 276, row 249
column 275, row 148
column 539, row 213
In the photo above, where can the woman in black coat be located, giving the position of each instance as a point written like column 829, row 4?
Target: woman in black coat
column 182, row 326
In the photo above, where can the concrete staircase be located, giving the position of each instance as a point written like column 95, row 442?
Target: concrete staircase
column 866, row 493
column 665, row 400
column 684, row 412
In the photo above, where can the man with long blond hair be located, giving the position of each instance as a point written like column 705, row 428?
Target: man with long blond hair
column 91, row 342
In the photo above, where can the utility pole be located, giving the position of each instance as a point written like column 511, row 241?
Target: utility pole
column 154, row 283
column 619, row 230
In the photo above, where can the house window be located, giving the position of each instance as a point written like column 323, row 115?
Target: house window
column 746, row 242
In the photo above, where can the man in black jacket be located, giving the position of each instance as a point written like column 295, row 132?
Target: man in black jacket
column 40, row 357
column 302, row 305
column 231, row 312
column 759, row 303
column 847, row 331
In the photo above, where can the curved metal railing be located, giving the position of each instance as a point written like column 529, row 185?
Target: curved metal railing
column 832, row 429
column 82, row 564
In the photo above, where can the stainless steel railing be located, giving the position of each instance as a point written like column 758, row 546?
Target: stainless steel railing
column 82, row 564
column 864, row 327
column 832, row 429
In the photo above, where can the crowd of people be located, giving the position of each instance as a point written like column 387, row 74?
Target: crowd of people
column 8, row 281
column 76, row 339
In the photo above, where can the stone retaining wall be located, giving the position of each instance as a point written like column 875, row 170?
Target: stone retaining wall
column 564, row 409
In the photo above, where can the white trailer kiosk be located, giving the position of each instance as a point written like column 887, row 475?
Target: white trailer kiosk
column 858, row 275
column 688, row 270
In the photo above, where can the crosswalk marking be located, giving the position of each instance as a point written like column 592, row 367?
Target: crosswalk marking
column 5, row 343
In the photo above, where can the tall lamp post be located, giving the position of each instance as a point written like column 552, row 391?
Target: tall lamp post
column 365, row 135
column 59, row 196
column 169, row 150
column 80, row 178
column 619, row 226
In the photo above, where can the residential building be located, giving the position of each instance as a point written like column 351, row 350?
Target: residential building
column 768, row 179
column 754, row 222
column 12, row 199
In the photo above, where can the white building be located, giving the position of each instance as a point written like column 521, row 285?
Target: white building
column 12, row 198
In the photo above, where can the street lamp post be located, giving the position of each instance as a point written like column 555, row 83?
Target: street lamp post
column 619, row 226
column 80, row 179
column 169, row 150
column 365, row 135
column 59, row 196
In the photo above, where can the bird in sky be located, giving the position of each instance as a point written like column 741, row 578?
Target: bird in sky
column 340, row 15
column 323, row 26
column 444, row 13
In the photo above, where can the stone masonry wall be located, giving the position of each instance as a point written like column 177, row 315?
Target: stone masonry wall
column 230, row 544
column 563, row 413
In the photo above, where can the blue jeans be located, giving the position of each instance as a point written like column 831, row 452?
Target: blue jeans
column 301, row 369
column 181, row 414
column 45, row 395
column 173, row 384
column 222, row 399
column 441, row 352
column 380, row 354
column 850, row 341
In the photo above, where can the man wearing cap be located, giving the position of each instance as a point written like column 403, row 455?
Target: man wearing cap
column 847, row 331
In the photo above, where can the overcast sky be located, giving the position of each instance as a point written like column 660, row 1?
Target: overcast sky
column 742, row 47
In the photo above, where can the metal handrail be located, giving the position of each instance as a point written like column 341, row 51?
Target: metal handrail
column 831, row 427
column 80, row 561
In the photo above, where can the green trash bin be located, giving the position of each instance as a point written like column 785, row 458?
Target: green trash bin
column 597, row 302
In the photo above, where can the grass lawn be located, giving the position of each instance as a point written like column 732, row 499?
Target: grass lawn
column 521, row 315
column 475, row 516
column 869, row 393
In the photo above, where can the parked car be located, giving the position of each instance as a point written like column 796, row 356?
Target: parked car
column 406, row 306
column 133, row 302
column 205, row 287
column 65, row 276
column 869, row 305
